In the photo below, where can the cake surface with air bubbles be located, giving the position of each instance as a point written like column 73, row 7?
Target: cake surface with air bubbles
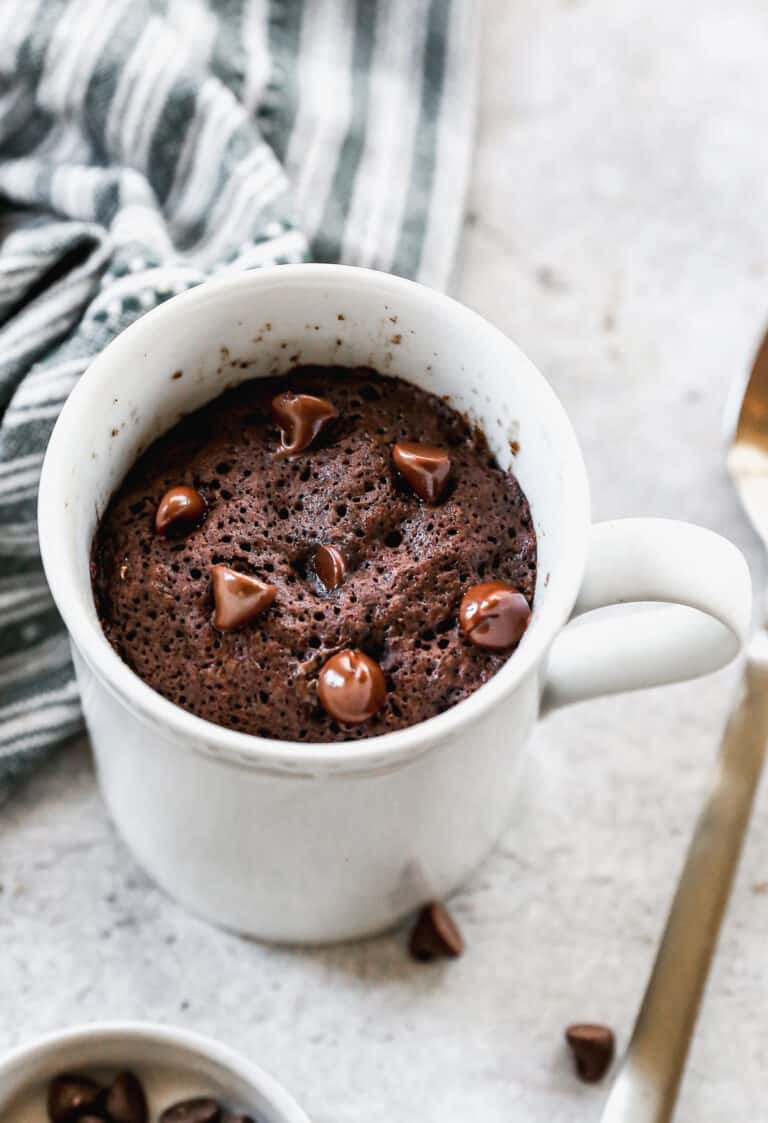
column 408, row 563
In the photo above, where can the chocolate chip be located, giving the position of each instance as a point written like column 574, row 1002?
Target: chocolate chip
column 126, row 1101
column 592, row 1047
column 330, row 566
column 202, row 1109
column 229, row 1118
column 425, row 467
column 352, row 687
column 435, row 935
column 494, row 615
column 180, row 510
column 300, row 417
column 238, row 598
column 70, row 1096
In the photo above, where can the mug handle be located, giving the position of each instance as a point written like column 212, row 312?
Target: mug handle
column 704, row 583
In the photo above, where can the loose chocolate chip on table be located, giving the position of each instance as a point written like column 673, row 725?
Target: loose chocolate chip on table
column 426, row 468
column 202, row 1109
column 126, row 1101
column 435, row 935
column 592, row 1047
column 494, row 615
column 180, row 510
column 352, row 687
column 238, row 598
column 330, row 566
column 300, row 417
column 70, row 1096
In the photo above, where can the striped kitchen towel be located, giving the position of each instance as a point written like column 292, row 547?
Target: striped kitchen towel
column 148, row 144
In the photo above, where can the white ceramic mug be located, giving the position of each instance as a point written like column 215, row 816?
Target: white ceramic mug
column 322, row 842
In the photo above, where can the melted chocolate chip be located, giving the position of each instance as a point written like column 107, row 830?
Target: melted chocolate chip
column 330, row 566
column 300, row 417
column 435, row 935
column 352, row 687
column 238, row 598
column 70, row 1096
column 126, row 1101
column 180, row 510
column 426, row 468
column 494, row 615
column 592, row 1047
column 202, row 1109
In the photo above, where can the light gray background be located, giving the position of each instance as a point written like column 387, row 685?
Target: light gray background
column 618, row 231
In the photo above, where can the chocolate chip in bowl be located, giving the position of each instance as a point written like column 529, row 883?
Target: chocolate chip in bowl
column 324, row 556
column 133, row 1073
column 199, row 1109
column 126, row 1100
column 71, row 1095
column 74, row 1098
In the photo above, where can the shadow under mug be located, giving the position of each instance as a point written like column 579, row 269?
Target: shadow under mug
column 324, row 842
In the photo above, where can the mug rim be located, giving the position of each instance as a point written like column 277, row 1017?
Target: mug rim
column 250, row 750
column 36, row 1051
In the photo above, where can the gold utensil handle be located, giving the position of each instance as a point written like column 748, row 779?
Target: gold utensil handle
column 646, row 1087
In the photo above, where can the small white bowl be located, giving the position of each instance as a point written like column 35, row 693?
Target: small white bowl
column 172, row 1064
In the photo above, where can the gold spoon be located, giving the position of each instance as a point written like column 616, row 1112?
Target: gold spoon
column 645, row 1089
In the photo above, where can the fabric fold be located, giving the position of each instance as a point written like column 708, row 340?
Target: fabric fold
column 146, row 145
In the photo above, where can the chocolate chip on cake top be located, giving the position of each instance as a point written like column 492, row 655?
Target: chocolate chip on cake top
column 332, row 526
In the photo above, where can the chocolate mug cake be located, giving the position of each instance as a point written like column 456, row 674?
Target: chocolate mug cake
column 324, row 556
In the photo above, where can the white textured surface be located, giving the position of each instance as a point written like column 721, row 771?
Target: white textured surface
column 619, row 231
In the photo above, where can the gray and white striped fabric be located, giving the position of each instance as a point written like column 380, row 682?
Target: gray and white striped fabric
column 148, row 144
